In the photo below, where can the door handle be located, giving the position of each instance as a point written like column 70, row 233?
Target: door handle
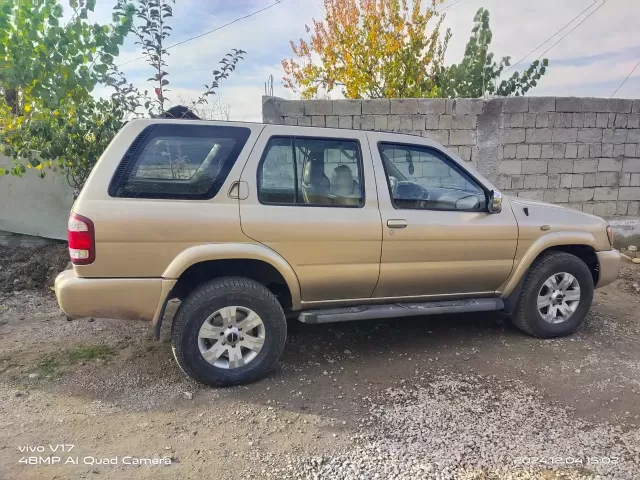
column 397, row 223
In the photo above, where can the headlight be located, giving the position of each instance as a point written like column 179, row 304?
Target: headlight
column 610, row 234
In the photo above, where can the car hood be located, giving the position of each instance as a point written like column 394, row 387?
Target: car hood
column 539, row 218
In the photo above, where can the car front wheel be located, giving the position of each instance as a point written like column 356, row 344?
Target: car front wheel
column 556, row 296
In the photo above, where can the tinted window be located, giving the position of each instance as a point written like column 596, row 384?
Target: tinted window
column 179, row 161
column 424, row 178
column 311, row 171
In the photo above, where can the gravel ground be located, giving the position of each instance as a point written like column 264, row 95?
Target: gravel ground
column 451, row 397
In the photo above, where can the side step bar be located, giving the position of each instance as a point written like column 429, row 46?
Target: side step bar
column 395, row 310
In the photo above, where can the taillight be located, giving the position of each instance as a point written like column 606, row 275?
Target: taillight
column 82, row 244
column 610, row 235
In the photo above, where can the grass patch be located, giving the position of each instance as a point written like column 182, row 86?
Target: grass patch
column 54, row 365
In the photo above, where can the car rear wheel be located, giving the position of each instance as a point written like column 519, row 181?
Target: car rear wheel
column 556, row 296
column 228, row 331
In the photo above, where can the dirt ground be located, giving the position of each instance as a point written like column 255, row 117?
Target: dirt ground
column 467, row 397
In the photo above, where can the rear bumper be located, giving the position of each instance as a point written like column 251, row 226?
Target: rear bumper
column 122, row 298
column 609, row 262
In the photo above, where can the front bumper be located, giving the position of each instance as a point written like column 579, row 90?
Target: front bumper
column 609, row 262
column 121, row 298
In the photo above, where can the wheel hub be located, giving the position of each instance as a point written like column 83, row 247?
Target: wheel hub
column 558, row 297
column 232, row 336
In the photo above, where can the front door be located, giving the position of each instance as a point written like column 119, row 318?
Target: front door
column 438, row 237
column 312, row 199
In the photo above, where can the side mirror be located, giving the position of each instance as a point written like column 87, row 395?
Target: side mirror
column 495, row 201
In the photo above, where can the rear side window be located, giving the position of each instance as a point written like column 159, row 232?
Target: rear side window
column 188, row 162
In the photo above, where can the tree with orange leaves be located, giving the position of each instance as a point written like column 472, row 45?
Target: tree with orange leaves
column 370, row 49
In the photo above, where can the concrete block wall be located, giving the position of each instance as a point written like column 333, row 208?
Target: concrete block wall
column 583, row 153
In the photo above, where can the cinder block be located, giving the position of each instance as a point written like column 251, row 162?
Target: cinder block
column 406, row 122
column 531, row 194
column 529, row 181
column 538, row 135
column 621, row 208
column 517, row 181
column 393, row 123
column 636, row 106
column 559, row 150
column 440, row 136
column 613, row 179
column 609, row 165
column 535, row 151
column 634, row 180
column 432, row 122
column 634, row 120
column 504, row 182
column 607, row 150
column 547, row 151
column 333, row 121
column 634, row 208
column 542, row 181
column 464, row 122
column 367, row 122
column 445, row 122
column 605, row 209
column 560, row 166
column 554, row 181
column 522, row 151
column 564, row 135
column 345, row 121
column 590, row 135
column 556, row 195
column 605, row 193
column 513, row 135
column 619, row 135
column 581, row 194
column 468, row 106
column 509, row 151
column 318, row 107
column 602, row 120
column 590, row 120
column 571, row 151
column 595, row 150
column 376, row 106
column 589, row 180
column 618, row 150
column 560, row 120
column 534, row 166
column 585, row 166
column 517, row 120
column 542, row 121
column 465, row 153
column 291, row 108
column 291, row 120
column 619, row 105
column 380, row 122
column 529, row 120
column 630, row 150
column 449, row 106
column 565, row 180
column 583, row 151
column 510, row 167
column 621, row 120
column 462, row 137
column 631, row 165
column 577, row 180
column 568, row 104
column 347, row 107
column 633, row 136
column 418, row 122
column 317, row 121
column 595, row 105
column 542, row 104
column 625, row 179
column 432, row 106
column 515, row 104
column 304, row 121
column 629, row 193
column 578, row 120
column 404, row 106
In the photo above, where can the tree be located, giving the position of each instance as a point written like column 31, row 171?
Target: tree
column 370, row 48
column 478, row 74
column 59, row 125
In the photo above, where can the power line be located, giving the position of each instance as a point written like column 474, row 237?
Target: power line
column 571, row 31
column 211, row 31
column 450, row 5
column 625, row 80
column 550, row 38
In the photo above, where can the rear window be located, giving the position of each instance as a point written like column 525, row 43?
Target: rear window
column 178, row 161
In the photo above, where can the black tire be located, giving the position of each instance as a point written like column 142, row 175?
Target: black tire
column 203, row 302
column 526, row 315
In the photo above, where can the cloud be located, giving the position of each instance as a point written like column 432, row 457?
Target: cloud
column 593, row 60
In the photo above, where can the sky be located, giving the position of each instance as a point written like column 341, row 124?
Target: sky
column 591, row 61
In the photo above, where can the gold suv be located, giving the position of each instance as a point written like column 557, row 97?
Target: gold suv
column 248, row 224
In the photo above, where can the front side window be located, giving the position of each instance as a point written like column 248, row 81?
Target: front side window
column 311, row 171
column 178, row 161
column 424, row 178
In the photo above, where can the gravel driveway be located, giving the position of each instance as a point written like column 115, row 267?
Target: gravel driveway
column 455, row 397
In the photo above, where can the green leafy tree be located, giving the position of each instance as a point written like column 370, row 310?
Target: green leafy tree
column 478, row 73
